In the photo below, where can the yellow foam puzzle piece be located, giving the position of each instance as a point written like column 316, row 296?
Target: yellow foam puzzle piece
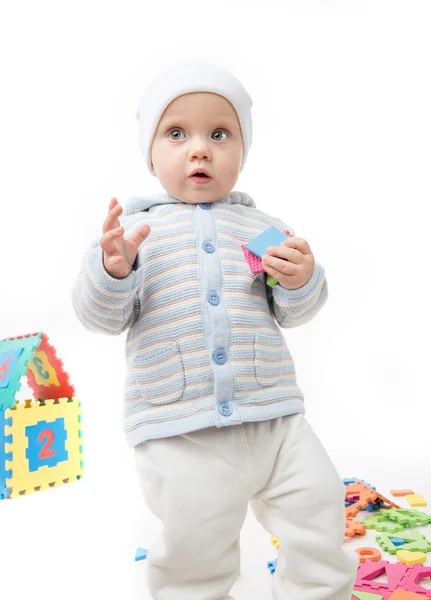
column 30, row 413
column 275, row 542
column 416, row 500
column 411, row 558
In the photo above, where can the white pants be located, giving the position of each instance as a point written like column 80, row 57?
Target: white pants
column 199, row 485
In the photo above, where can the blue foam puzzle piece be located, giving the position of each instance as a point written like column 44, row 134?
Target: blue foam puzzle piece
column 270, row 237
column 272, row 565
column 39, row 440
column 141, row 554
column 350, row 480
column 397, row 541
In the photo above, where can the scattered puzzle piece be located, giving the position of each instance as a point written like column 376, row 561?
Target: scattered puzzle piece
column 366, row 596
column 379, row 523
column 369, row 570
column 414, row 576
column 272, row 565
column 404, row 595
column 414, row 541
column 411, row 558
column 366, row 553
column 408, row 517
column 141, row 554
column 401, row 492
column 275, row 541
column 354, row 528
column 415, row 500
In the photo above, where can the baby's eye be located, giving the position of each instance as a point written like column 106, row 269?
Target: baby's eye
column 173, row 131
column 220, row 131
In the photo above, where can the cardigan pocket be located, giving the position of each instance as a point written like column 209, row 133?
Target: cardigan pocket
column 268, row 358
column 159, row 375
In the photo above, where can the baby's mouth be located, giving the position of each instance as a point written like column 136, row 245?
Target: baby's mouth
column 200, row 178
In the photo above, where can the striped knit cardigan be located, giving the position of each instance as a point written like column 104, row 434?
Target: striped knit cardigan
column 204, row 346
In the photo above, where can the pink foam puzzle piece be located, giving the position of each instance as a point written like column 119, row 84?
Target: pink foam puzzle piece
column 254, row 261
column 351, row 497
column 412, row 578
column 395, row 572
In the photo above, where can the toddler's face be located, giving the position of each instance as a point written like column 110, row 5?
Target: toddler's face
column 197, row 130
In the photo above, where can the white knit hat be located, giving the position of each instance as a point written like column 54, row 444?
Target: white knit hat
column 183, row 78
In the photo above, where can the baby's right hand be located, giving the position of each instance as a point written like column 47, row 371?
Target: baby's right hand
column 119, row 254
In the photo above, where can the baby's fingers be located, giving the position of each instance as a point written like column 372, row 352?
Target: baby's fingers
column 107, row 241
column 140, row 235
column 111, row 220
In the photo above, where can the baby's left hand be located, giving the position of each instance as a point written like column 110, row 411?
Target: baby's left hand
column 296, row 268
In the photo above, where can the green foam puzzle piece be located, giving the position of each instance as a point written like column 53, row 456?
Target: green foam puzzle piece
column 271, row 281
column 415, row 542
column 371, row 522
column 380, row 523
column 366, row 596
column 406, row 517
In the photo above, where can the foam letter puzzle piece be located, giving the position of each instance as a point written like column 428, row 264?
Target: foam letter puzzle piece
column 366, row 596
column 270, row 237
column 411, row 558
column 416, row 500
column 401, row 492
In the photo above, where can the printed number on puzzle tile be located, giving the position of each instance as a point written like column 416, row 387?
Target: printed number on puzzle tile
column 8, row 361
column 46, row 444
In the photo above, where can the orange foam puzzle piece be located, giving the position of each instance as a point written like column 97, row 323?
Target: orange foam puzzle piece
column 404, row 595
column 354, row 528
column 401, row 492
column 366, row 553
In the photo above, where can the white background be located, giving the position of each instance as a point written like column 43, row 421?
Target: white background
column 341, row 151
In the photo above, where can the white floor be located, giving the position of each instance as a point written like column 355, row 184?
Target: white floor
column 79, row 540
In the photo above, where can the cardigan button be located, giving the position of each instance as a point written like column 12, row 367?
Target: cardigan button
column 208, row 247
column 225, row 409
column 220, row 356
column 213, row 298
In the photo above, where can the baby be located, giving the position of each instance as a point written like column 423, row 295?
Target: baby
column 212, row 407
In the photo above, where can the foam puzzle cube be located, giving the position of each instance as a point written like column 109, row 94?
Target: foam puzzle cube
column 256, row 248
column 40, row 438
